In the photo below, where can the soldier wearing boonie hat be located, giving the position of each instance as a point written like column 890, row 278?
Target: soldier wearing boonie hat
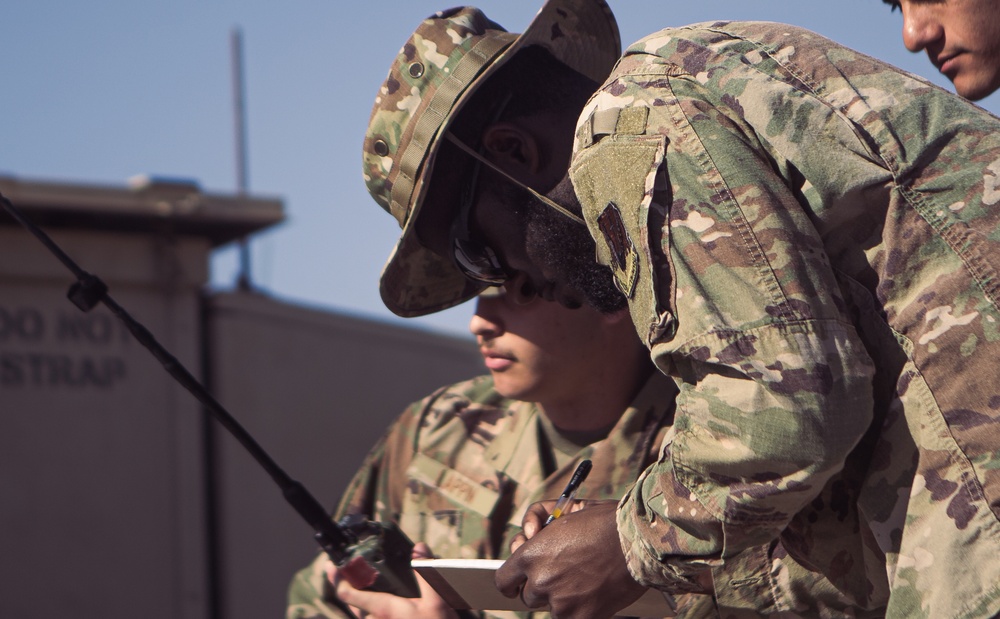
column 446, row 60
column 458, row 468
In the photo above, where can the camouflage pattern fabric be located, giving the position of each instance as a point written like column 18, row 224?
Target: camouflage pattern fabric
column 809, row 242
column 459, row 469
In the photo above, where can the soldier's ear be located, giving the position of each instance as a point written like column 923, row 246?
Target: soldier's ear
column 513, row 149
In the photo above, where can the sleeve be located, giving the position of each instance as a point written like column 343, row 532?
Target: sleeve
column 374, row 491
column 729, row 285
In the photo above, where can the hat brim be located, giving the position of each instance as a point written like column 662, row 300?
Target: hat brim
column 415, row 280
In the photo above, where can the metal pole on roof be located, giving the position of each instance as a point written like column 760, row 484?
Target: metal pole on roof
column 240, row 126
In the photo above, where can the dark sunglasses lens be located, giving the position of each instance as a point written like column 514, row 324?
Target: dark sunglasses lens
column 478, row 262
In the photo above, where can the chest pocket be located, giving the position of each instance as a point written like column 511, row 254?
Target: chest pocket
column 449, row 510
column 615, row 175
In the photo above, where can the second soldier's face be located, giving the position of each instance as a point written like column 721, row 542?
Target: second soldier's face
column 961, row 38
column 536, row 350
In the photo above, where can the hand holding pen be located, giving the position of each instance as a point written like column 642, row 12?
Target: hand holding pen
column 566, row 498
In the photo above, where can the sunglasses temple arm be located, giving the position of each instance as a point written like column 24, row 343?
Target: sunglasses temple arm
column 486, row 162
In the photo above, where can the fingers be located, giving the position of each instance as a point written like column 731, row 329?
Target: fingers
column 421, row 551
column 518, row 540
column 531, row 598
column 584, row 504
column 363, row 603
column 510, row 578
column 535, row 517
column 334, row 577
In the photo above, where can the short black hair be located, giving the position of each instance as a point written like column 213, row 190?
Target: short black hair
column 894, row 4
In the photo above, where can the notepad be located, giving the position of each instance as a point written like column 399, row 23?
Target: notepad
column 469, row 584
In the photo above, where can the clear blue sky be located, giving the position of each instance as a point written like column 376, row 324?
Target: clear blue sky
column 101, row 90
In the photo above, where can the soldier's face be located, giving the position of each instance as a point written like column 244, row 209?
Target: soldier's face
column 545, row 253
column 536, row 350
column 961, row 38
column 502, row 220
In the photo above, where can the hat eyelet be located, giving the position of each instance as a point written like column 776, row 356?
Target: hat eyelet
column 381, row 148
column 416, row 70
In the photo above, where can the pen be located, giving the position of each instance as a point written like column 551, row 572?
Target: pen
column 566, row 498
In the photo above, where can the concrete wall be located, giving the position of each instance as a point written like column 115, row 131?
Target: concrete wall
column 317, row 390
column 102, row 510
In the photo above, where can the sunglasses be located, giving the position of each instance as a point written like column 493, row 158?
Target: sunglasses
column 473, row 258
column 476, row 260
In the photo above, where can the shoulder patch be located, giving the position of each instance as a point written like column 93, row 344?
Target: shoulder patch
column 624, row 259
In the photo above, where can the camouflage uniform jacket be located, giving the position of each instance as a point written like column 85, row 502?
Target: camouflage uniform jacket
column 459, row 469
column 809, row 242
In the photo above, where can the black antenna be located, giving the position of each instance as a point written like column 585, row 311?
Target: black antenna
column 240, row 130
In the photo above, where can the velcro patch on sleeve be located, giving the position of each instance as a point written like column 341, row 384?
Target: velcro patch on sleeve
column 624, row 259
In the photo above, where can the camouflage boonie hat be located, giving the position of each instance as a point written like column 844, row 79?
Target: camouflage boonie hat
column 445, row 60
